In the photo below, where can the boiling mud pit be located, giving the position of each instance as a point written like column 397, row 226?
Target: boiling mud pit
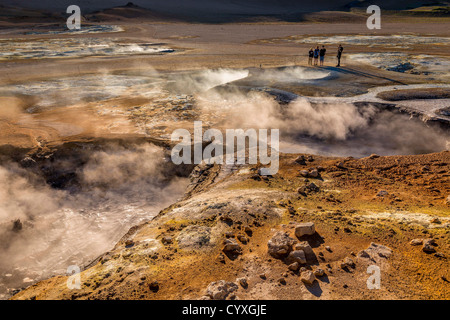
column 89, row 196
column 91, row 193
column 13, row 49
column 390, row 41
column 402, row 62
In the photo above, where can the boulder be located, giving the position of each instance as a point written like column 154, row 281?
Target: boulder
column 231, row 247
column 243, row 282
column 312, row 187
column 296, row 256
column 428, row 245
column 428, row 248
column 294, row 266
column 305, row 228
column 319, row 272
column 304, row 245
column 314, row 173
column 300, row 160
column 220, row 290
column 416, row 242
column 307, row 277
column 280, row 245
column 304, row 173
column 154, row 286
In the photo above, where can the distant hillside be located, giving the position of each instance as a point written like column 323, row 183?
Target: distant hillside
column 226, row 11
column 26, row 15
column 217, row 7
column 127, row 12
column 395, row 5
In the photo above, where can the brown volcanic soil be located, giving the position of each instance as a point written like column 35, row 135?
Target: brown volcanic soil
column 343, row 211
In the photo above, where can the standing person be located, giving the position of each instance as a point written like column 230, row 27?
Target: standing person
column 316, row 55
column 311, row 56
column 339, row 54
column 322, row 55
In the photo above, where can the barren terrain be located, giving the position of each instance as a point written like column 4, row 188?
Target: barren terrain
column 85, row 125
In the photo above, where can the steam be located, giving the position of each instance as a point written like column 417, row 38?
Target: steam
column 333, row 129
column 203, row 81
column 120, row 187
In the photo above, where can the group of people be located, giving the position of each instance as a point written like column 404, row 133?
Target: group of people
column 319, row 54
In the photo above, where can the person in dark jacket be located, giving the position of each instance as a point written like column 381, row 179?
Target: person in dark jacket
column 322, row 55
column 316, row 55
column 339, row 55
column 310, row 56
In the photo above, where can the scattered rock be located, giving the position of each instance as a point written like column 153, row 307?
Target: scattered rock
column 305, row 228
column 220, row 290
column 166, row 240
column 312, row 187
column 301, row 160
column 242, row 239
column 243, row 282
column 340, row 165
column 263, row 276
column 307, row 277
column 282, row 281
column 221, row 258
column 363, row 254
column 296, row 256
column 319, row 272
column 229, row 234
column 373, row 156
column 382, row 193
column 416, row 242
column 17, row 225
column 294, row 266
column 129, row 243
column 439, row 255
column 328, row 248
column 428, row 246
column 314, row 173
column 347, row 263
column 306, row 248
column 154, row 286
column 308, row 188
column 280, row 245
column 231, row 247
column 436, row 221
column 304, row 173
